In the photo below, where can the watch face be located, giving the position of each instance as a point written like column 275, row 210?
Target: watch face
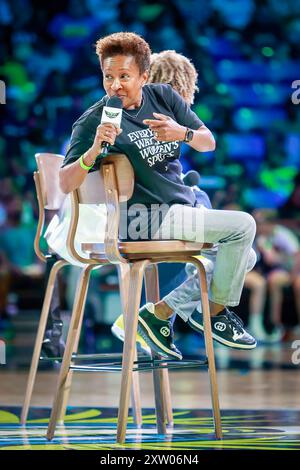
column 189, row 135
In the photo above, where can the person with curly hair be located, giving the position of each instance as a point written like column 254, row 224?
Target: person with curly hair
column 177, row 70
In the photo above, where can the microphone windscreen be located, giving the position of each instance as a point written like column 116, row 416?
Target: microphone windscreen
column 114, row 102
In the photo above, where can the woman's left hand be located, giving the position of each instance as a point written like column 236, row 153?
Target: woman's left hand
column 165, row 128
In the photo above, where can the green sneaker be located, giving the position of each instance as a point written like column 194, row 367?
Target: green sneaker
column 157, row 333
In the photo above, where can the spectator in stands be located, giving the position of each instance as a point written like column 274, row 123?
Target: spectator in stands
column 291, row 207
column 279, row 250
column 18, row 264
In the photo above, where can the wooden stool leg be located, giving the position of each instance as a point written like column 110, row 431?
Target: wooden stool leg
column 135, row 290
column 76, row 321
column 210, row 350
column 124, row 278
column 39, row 338
column 159, row 390
column 68, row 384
column 160, row 377
column 167, row 398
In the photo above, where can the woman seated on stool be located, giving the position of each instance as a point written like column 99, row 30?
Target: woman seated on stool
column 155, row 116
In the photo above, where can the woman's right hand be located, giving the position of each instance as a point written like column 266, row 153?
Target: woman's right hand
column 71, row 176
column 104, row 133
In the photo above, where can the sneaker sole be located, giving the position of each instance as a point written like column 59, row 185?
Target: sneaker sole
column 119, row 334
column 154, row 343
column 221, row 340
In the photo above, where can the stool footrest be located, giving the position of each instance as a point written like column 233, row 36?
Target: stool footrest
column 140, row 365
column 84, row 357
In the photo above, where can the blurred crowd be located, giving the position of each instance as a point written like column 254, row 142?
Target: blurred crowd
column 247, row 56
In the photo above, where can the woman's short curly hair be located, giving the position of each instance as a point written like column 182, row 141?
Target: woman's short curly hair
column 177, row 70
column 125, row 43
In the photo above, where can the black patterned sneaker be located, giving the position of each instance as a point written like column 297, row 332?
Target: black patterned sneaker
column 227, row 328
column 158, row 334
column 53, row 344
column 50, row 350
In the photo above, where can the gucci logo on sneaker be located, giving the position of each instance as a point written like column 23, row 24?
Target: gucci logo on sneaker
column 220, row 326
column 165, row 331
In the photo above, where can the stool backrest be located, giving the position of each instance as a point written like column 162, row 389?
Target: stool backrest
column 92, row 190
column 48, row 166
column 49, row 194
column 111, row 185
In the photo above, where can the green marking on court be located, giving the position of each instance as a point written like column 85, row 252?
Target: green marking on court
column 7, row 417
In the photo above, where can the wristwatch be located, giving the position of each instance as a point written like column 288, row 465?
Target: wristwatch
column 188, row 135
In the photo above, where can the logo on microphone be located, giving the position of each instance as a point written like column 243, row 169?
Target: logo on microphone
column 111, row 115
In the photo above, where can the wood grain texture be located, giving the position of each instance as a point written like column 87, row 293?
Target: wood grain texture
column 39, row 338
column 48, row 165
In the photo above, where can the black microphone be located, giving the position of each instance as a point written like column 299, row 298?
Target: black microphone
column 112, row 114
column 191, row 178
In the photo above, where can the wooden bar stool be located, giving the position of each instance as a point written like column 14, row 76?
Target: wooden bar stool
column 112, row 184
column 50, row 197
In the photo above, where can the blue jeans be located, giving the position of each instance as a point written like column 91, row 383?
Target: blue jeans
column 232, row 231
column 187, row 296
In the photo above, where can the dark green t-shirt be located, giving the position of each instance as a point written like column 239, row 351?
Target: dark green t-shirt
column 156, row 164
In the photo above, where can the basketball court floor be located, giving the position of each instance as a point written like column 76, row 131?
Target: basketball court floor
column 259, row 399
